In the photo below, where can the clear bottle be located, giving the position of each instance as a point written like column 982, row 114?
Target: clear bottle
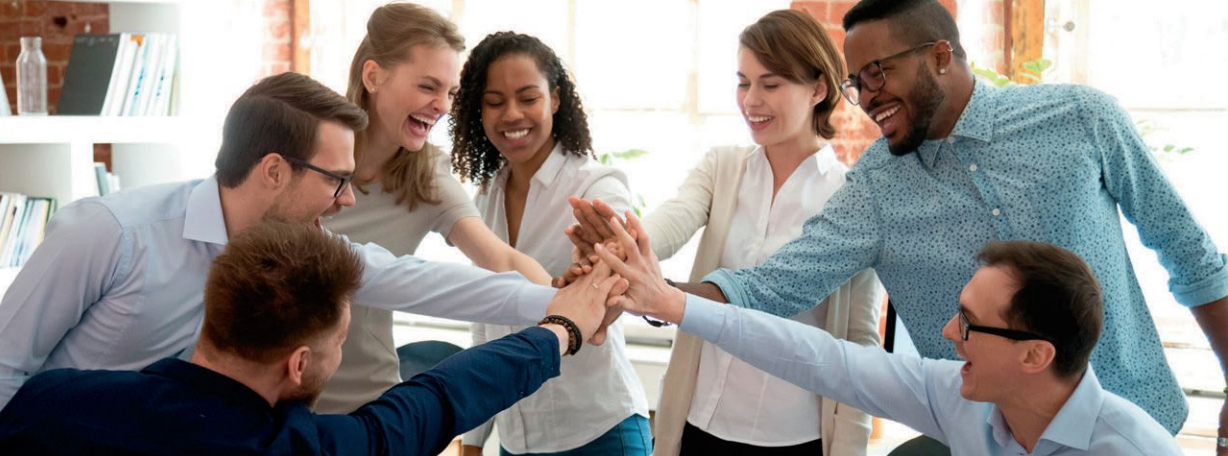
column 31, row 78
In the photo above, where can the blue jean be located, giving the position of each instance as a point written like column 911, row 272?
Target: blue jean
column 631, row 437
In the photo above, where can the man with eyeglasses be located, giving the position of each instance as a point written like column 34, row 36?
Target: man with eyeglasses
column 118, row 281
column 962, row 163
column 1026, row 324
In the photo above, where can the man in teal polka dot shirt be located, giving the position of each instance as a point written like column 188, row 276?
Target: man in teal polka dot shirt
column 960, row 164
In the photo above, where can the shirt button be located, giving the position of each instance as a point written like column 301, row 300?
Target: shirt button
column 972, row 168
column 951, row 140
column 996, row 212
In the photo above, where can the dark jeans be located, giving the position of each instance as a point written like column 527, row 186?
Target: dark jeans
column 696, row 442
column 631, row 437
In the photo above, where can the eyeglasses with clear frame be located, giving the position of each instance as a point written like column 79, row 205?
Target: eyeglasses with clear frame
column 342, row 181
column 871, row 76
column 965, row 328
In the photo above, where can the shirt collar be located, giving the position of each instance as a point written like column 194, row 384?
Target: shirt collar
column 976, row 122
column 206, row 380
column 1074, row 423
column 204, row 221
column 823, row 160
column 552, row 167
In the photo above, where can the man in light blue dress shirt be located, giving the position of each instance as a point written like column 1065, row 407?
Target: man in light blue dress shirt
column 963, row 163
column 117, row 282
column 1026, row 323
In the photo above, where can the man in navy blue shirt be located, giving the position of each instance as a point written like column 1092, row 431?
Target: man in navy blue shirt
column 276, row 314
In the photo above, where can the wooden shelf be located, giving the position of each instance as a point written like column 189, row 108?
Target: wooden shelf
column 90, row 129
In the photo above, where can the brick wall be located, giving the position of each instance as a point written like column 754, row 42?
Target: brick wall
column 278, row 55
column 56, row 23
column 856, row 131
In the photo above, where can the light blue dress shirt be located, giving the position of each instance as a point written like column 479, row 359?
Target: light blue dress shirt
column 118, row 284
column 922, row 393
column 1050, row 163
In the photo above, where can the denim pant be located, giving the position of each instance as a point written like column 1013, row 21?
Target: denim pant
column 631, row 437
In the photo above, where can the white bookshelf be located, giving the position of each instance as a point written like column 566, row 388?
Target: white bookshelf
column 219, row 56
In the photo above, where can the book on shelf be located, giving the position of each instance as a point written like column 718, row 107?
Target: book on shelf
column 106, row 181
column 120, row 74
column 24, row 219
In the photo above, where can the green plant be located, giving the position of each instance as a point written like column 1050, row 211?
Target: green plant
column 608, row 158
column 1035, row 71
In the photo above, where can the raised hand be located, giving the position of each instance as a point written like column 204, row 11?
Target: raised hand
column 593, row 225
column 584, row 301
column 647, row 292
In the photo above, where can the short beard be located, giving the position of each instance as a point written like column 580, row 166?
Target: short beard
column 925, row 98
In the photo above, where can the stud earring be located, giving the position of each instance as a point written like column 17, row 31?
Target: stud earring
column 942, row 71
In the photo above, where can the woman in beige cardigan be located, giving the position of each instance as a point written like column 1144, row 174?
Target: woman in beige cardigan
column 752, row 200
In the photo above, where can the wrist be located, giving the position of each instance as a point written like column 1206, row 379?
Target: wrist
column 574, row 338
column 561, row 333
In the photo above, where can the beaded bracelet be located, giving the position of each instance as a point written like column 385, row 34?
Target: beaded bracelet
column 574, row 338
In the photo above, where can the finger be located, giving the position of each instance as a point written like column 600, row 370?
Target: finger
column 613, row 262
column 627, row 243
column 642, row 239
column 604, row 210
column 584, row 234
column 620, row 287
column 601, row 271
column 598, row 223
column 608, row 284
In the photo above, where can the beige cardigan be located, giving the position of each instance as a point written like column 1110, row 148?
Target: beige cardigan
column 707, row 198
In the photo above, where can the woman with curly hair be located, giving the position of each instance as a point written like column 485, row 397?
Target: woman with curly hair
column 520, row 132
column 404, row 74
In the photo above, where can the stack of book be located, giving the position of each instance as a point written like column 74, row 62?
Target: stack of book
column 121, row 74
column 22, row 221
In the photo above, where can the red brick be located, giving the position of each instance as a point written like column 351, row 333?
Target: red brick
column 817, row 9
column 53, row 97
column 276, row 9
column 838, row 10
column 9, row 72
column 55, row 75
column 57, row 52
column 10, row 9
column 35, row 9
column 279, row 31
column 277, row 52
column 993, row 13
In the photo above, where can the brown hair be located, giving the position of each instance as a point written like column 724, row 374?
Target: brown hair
column 278, row 286
column 1058, row 297
column 392, row 31
column 280, row 114
column 793, row 45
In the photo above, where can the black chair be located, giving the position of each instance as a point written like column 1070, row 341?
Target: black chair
column 419, row 357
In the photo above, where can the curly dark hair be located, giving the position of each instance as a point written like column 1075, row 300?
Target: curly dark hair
column 473, row 156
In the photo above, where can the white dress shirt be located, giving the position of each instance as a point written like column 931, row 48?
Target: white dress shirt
column 597, row 388
column 733, row 400
column 118, row 281
column 922, row 393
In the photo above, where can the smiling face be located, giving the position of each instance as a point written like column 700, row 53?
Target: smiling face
column 905, row 107
column 518, row 109
column 993, row 369
column 408, row 98
column 309, row 195
column 776, row 109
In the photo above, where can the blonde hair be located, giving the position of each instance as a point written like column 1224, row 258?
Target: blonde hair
column 793, row 45
column 392, row 31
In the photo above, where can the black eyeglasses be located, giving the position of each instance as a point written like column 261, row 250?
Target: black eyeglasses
column 965, row 328
column 342, row 181
column 871, row 76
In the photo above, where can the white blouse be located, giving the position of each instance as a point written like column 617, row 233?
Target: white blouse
column 733, row 400
column 597, row 388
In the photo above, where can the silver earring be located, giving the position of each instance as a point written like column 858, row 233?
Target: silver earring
column 942, row 71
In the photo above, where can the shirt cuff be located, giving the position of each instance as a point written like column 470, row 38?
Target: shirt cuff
column 703, row 318
column 531, row 302
column 729, row 285
column 1204, row 291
